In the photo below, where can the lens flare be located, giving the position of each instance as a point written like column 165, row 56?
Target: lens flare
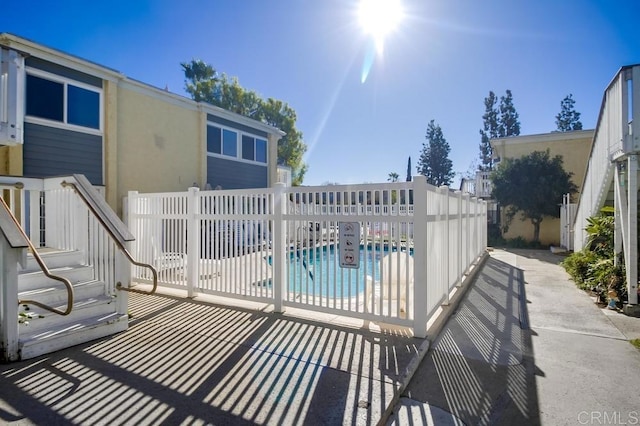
column 377, row 18
column 367, row 63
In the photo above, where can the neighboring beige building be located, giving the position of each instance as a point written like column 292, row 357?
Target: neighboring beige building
column 574, row 148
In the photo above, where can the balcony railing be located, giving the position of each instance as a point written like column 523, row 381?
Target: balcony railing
column 611, row 140
column 480, row 186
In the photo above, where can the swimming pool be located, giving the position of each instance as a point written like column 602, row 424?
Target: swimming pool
column 317, row 272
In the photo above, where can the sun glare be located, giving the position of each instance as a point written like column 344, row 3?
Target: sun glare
column 378, row 18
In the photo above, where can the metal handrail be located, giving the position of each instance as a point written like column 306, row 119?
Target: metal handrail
column 44, row 269
column 120, row 245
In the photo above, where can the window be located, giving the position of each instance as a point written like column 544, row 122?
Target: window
column 254, row 149
column 53, row 98
column 214, row 140
column 248, row 147
column 221, row 141
column 83, row 107
column 261, row 150
column 229, row 143
column 45, row 98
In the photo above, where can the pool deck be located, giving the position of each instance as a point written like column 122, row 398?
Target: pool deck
column 185, row 361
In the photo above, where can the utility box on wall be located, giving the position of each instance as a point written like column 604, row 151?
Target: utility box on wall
column 11, row 97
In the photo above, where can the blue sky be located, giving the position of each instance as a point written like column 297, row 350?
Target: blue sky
column 439, row 63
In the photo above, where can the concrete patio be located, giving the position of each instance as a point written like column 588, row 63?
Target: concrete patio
column 191, row 362
column 521, row 346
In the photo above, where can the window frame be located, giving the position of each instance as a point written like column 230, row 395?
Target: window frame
column 239, row 145
column 66, row 82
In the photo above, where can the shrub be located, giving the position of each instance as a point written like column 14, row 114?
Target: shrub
column 600, row 230
column 519, row 242
column 578, row 266
column 494, row 236
column 594, row 267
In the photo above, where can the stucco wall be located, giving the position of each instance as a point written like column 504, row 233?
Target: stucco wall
column 574, row 147
column 11, row 160
column 159, row 144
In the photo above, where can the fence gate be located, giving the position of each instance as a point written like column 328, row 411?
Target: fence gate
column 567, row 219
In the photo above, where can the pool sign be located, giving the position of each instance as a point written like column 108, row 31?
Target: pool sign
column 349, row 245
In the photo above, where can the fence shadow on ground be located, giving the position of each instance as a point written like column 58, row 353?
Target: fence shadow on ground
column 481, row 367
column 187, row 362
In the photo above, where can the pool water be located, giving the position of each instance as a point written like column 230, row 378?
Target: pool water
column 317, row 272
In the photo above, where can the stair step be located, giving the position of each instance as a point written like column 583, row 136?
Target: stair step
column 56, row 293
column 73, row 333
column 35, row 279
column 54, row 259
column 94, row 313
column 42, row 319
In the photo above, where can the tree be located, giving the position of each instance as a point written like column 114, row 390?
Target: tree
column 409, row 169
column 486, row 153
column 393, row 177
column 508, row 124
column 568, row 118
column 434, row 160
column 291, row 148
column 489, row 131
column 532, row 185
column 498, row 121
column 205, row 84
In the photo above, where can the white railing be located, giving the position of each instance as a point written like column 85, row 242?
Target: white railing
column 611, row 131
column 479, row 186
column 54, row 217
column 281, row 246
column 483, row 185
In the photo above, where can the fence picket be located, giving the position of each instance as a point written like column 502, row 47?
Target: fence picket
column 282, row 246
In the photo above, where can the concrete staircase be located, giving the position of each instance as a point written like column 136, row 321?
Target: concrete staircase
column 95, row 311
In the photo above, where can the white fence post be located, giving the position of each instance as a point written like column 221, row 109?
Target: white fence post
column 420, row 256
column 459, row 265
column 193, row 240
column 279, row 247
column 123, row 275
column 80, row 215
column 467, row 243
column 130, row 207
column 444, row 216
column 485, row 225
column 34, row 216
column 9, row 258
column 476, row 229
column 631, row 261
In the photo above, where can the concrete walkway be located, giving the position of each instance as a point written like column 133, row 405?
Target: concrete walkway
column 526, row 347
column 522, row 346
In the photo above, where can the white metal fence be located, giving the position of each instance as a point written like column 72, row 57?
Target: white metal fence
column 415, row 243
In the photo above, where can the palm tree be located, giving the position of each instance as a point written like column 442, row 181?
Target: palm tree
column 393, row 177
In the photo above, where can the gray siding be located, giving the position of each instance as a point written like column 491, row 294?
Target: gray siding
column 234, row 125
column 63, row 71
column 49, row 151
column 231, row 174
